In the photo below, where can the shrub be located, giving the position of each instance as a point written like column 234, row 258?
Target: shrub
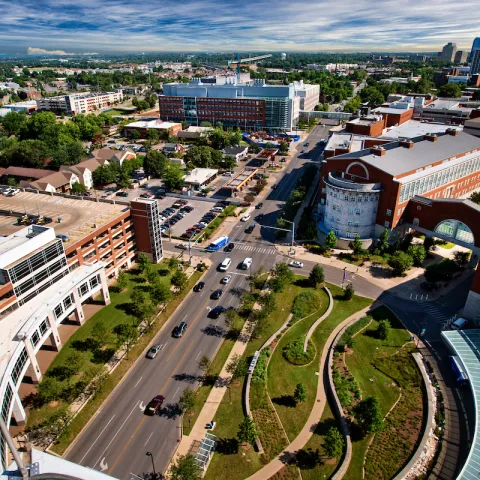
column 400, row 262
column 293, row 352
column 442, row 271
column 417, row 252
column 348, row 292
column 260, row 373
column 383, row 329
column 305, row 303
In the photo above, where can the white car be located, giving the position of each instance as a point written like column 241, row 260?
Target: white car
column 296, row 264
column 245, row 218
column 226, row 279
column 182, row 246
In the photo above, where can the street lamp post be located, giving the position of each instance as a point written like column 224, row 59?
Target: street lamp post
column 293, row 231
column 149, row 454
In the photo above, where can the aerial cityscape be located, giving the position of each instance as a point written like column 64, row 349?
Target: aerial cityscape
column 239, row 246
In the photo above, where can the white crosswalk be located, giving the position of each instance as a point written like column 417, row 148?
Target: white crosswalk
column 434, row 312
column 251, row 248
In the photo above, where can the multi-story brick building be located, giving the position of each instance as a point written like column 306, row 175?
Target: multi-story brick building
column 366, row 191
column 79, row 102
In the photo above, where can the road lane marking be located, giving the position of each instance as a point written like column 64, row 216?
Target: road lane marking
column 196, row 358
column 175, row 394
column 103, row 465
column 150, row 436
column 91, row 446
column 115, row 436
column 139, row 380
column 143, row 419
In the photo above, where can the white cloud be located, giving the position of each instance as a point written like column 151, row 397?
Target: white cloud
column 38, row 51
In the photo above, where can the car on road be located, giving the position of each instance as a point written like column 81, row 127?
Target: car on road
column 296, row 264
column 246, row 264
column 306, row 144
column 274, row 186
column 179, row 330
column 229, row 247
column 146, row 195
column 259, row 217
column 182, row 246
column 245, row 218
column 152, row 353
column 250, row 228
column 199, row 286
column 154, row 405
column 121, row 194
column 259, row 205
column 302, row 151
column 216, row 312
column 64, row 238
column 226, row 279
column 283, row 160
column 216, row 294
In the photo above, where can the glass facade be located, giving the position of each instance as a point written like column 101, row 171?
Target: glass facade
column 438, row 179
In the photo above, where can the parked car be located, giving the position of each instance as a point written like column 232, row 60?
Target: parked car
column 199, row 286
column 216, row 294
column 64, row 238
column 154, row 405
column 216, row 312
column 296, row 264
column 182, row 246
column 121, row 194
column 179, row 330
column 152, row 353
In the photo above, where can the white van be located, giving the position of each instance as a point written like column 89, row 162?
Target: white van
column 459, row 324
column 246, row 263
column 225, row 264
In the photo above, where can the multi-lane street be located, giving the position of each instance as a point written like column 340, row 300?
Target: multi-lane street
column 118, row 437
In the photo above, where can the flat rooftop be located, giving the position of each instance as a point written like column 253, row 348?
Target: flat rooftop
column 241, row 177
column 414, row 128
column 200, row 175
column 152, row 124
column 78, row 216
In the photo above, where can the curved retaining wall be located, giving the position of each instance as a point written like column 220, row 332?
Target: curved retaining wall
column 320, row 320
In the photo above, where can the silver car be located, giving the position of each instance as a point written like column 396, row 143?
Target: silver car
column 152, row 353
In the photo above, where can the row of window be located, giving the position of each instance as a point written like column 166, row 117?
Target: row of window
column 438, row 179
column 353, row 198
column 90, row 285
column 19, row 365
column 38, row 334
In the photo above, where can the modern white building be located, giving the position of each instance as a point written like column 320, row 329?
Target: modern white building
column 79, row 102
column 38, row 292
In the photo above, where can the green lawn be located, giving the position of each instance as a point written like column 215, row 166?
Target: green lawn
column 445, row 245
column 283, row 376
column 367, row 351
column 111, row 315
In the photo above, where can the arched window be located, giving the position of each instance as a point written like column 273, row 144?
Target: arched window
column 456, row 230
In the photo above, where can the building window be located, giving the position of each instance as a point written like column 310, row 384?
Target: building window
column 352, row 199
column 19, row 364
column 334, row 207
column 387, row 224
column 83, row 290
column 350, row 211
column 35, row 338
column 389, row 212
column 356, row 224
column 58, row 310
column 43, row 327
column 359, row 199
column 323, row 190
column 68, row 301
column 357, row 211
column 94, row 281
column 350, row 222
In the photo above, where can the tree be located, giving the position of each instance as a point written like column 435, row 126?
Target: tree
column 173, row 177
column 159, row 292
column 138, row 300
column 356, row 246
column 187, row 400
column 143, row 262
column 462, row 258
column 134, row 135
column 383, row 329
column 369, row 415
column 417, row 252
column 179, row 280
column 122, row 280
column 204, row 364
column 27, row 153
column 268, row 303
column 127, row 336
column 247, row 432
column 103, row 175
column 155, row 164
column 331, row 240
column 400, row 262
column 300, row 394
column 475, row 196
column 100, row 333
column 78, row 188
column 229, row 162
column 450, row 90
column 13, row 122
column 237, row 367
column 429, row 244
column 317, row 276
column 348, row 292
column 50, row 389
column 98, row 138
column 185, row 468
column 334, row 443
column 283, row 147
column 383, row 241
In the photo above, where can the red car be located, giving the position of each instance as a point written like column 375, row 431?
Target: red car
column 154, row 406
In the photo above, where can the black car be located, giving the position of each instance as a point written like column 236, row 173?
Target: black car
column 250, row 228
column 259, row 206
column 216, row 294
column 259, row 216
column 199, row 286
column 229, row 247
column 274, row 186
column 179, row 330
column 121, row 194
column 216, row 312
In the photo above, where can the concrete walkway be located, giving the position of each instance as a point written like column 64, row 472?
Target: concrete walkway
column 315, row 415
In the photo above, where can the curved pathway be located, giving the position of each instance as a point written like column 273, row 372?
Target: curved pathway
column 319, row 320
column 315, row 415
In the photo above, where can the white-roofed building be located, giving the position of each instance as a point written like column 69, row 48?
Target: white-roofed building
column 199, row 177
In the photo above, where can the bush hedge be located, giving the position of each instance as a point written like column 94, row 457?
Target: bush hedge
column 293, row 352
column 305, row 303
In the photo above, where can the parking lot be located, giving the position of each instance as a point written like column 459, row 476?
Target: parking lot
column 190, row 219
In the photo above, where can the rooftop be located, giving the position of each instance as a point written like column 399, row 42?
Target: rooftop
column 398, row 159
column 414, row 128
column 152, row 124
column 15, row 240
column 200, row 175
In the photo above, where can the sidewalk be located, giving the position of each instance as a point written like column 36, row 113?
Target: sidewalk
column 214, row 399
column 407, row 287
column 308, row 430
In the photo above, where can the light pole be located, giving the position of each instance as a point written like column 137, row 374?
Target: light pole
column 149, row 454
column 293, row 230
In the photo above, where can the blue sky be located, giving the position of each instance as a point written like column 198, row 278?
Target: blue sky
column 250, row 25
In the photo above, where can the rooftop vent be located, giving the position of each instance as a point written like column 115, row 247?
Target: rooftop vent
column 407, row 143
column 452, row 131
column 431, row 137
column 378, row 150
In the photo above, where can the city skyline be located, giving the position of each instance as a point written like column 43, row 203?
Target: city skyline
column 117, row 26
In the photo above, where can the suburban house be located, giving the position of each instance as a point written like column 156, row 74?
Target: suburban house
column 171, row 148
column 22, row 173
column 58, row 182
column 237, row 152
column 84, row 170
column 110, row 155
